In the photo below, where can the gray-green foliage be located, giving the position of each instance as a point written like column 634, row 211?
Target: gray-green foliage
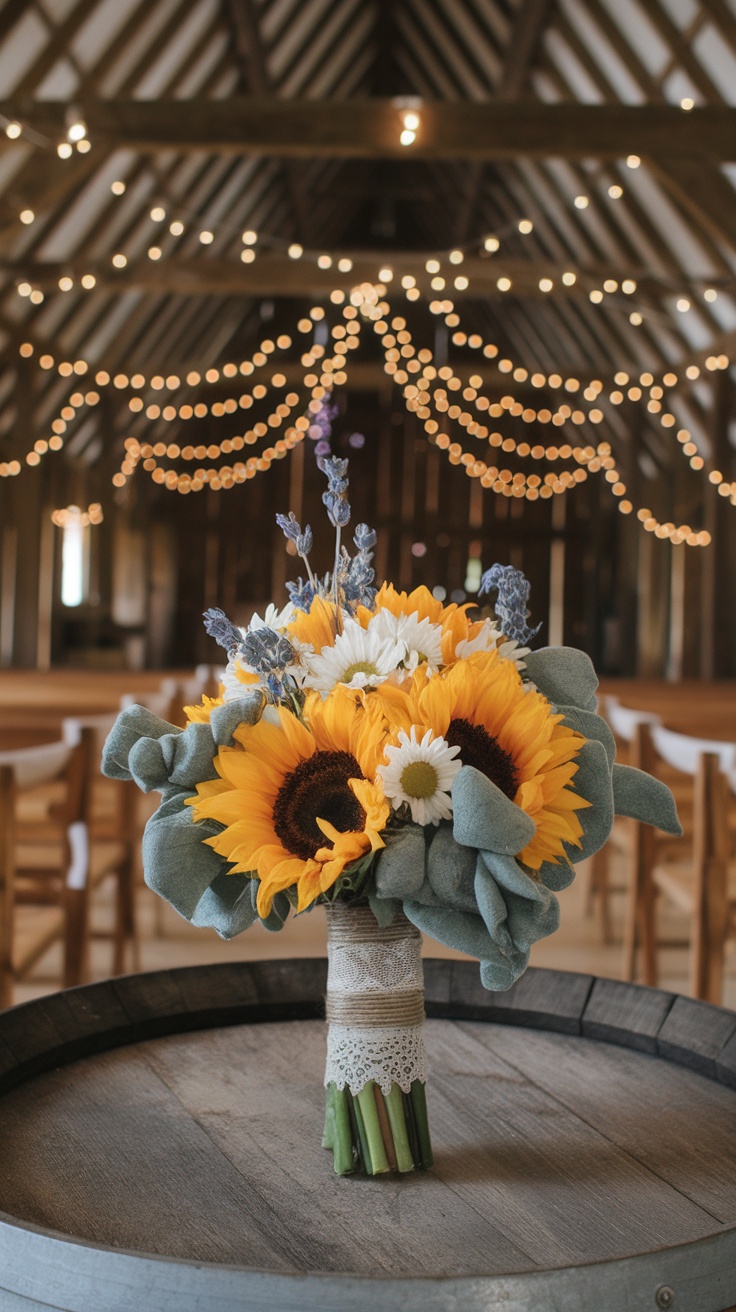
column 460, row 882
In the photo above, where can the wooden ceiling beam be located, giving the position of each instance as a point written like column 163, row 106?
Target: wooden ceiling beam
column 273, row 274
column 371, row 128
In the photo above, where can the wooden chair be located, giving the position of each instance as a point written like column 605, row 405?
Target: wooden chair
column 623, row 722
column 701, row 882
column 44, row 883
column 114, row 840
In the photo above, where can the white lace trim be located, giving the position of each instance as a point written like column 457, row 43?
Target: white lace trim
column 389, row 1056
column 375, row 967
column 369, row 965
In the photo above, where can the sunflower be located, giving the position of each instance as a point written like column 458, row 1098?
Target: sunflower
column 297, row 806
column 201, row 714
column 316, row 627
column 511, row 736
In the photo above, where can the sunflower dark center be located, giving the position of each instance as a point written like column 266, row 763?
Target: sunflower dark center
column 317, row 787
column 479, row 749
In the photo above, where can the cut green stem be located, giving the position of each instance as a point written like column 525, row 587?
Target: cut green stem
column 367, row 1104
column 402, row 1147
column 419, row 1105
column 365, row 1151
column 342, row 1144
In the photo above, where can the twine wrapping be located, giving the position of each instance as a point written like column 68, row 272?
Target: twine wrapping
column 375, row 1001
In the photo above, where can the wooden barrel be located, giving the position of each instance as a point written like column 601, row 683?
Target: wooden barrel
column 160, row 1151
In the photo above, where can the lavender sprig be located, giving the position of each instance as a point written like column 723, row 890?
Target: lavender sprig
column 357, row 575
column 512, row 602
column 225, row 633
column 303, row 541
column 267, row 651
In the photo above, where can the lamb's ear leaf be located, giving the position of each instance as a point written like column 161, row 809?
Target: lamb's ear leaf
column 531, row 910
column 384, row 909
column 642, row 797
column 593, row 782
column 400, row 866
column 226, row 906
column 450, row 872
column 132, row 724
column 564, row 675
column 177, row 863
column 225, row 719
column 590, row 726
column 182, row 759
column 484, row 818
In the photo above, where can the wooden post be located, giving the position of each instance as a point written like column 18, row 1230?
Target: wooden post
column 712, row 565
column 28, row 509
column 710, row 862
column 640, row 928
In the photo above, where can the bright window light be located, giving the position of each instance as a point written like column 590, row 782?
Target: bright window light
column 74, row 561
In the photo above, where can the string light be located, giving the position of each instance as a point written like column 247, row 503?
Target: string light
column 73, row 514
column 433, row 394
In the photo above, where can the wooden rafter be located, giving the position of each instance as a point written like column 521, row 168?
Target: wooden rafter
column 371, row 129
column 275, row 274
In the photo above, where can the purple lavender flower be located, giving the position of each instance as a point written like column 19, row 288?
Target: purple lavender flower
column 224, row 632
column 512, row 602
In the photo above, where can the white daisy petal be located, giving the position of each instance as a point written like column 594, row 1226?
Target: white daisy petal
column 421, row 638
column 359, row 658
column 273, row 618
column 420, row 774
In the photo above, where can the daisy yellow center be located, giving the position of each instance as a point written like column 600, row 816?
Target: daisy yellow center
column 481, row 750
column 360, row 667
column 419, row 779
column 317, row 788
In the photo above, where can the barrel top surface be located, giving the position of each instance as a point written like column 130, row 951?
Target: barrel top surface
column 553, row 1149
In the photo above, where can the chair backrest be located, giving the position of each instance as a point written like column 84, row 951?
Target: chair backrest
column 683, row 752
column 625, row 719
column 23, row 771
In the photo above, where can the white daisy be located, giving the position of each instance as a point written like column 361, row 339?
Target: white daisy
column 421, row 774
column 485, row 640
column 273, row 618
column 359, row 659
column 421, row 638
column 490, row 636
column 232, row 687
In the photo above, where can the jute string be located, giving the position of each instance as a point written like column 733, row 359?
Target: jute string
column 371, row 1009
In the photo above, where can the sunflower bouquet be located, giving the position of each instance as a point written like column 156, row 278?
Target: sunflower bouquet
column 408, row 767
